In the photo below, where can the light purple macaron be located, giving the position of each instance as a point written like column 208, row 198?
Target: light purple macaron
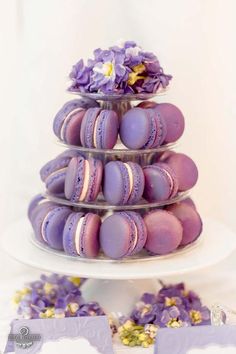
column 81, row 235
column 35, row 201
column 83, row 179
column 160, row 182
column 99, row 128
column 53, row 173
column 142, row 129
column 67, row 122
column 190, row 221
column 185, row 170
column 122, row 234
column 52, row 226
column 164, row 232
column 123, row 183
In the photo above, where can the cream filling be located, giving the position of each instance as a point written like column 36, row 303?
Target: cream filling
column 171, row 180
column 77, row 235
column 76, row 110
column 86, row 181
column 136, row 237
column 55, row 172
column 131, row 178
column 95, row 133
column 42, row 226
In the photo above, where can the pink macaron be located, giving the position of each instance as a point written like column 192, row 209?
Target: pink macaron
column 190, row 221
column 164, row 232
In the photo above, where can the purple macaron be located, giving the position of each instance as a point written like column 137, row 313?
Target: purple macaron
column 164, row 232
column 83, row 179
column 123, row 183
column 81, row 235
column 67, row 122
column 99, row 128
column 35, row 201
column 52, row 226
column 53, row 173
column 160, row 182
column 142, row 129
column 185, row 170
column 122, row 234
column 190, row 221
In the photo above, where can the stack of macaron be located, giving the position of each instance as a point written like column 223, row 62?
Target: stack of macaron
column 80, row 179
column 120, row 235
column 149, row 125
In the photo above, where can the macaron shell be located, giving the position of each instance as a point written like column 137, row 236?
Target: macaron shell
column 38, row 216
column 87, row 127
column 71, row 133
column 107, row 125
column 55, row 183
column 74, row 178
column 116, row 185
column 161, row 129
column 135, row 128
column 53, row 226
column 95, row 179
column 67, row 108
column 190, row 221
column 116, row 236
column 69, row 231
column 147, row 104
column 138, row 183
column 174, row 120
column 141, row 232
column 164, row 232
column 185, row 170
column 172, row 175
column 33, row 204
column 89, row 239
column 157, row 184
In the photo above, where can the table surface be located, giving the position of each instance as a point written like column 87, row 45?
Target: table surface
column 216, row 284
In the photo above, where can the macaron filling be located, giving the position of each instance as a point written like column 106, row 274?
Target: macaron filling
column 68, row 117
column 131, row 178
column 78, row 234
column 86, row 181
column 43, row 226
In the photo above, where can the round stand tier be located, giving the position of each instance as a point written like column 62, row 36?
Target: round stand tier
column 211, row 249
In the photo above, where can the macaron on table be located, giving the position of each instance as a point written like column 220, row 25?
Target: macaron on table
column 115, row 204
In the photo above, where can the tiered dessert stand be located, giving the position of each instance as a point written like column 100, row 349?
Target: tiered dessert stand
column 118, row 284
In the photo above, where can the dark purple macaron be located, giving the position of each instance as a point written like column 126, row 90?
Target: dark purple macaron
column 122, row 234
column 99, row 129
column 160, row 182
column 83, row 179
column 67, row 122
column 164, row 232
column 142, row 129
column 185, row 170
column 53, row 225
column 190, row 221
column 81, row 235
column 123, row 183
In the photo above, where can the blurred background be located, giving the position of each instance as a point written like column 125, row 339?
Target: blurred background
column 195, row 42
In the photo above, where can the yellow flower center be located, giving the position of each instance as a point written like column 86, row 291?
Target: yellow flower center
column 108, row 69
column 75, row 280
column 174, row 323
column 48, row 288
column 139, row 69
column 135, row 74
column 195, row 316
column 170, row 301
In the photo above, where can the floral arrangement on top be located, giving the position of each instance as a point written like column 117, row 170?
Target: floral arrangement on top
column 121, row 69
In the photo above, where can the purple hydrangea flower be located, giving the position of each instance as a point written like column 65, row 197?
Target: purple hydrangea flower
column 122, row 69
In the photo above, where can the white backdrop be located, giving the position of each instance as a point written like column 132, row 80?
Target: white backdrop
column 41, row 39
